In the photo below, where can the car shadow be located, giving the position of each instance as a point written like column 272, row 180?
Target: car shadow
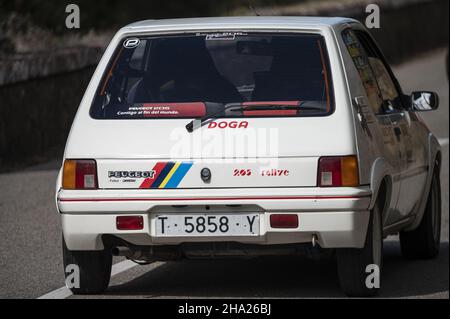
column 405, row 278
column 285, row 277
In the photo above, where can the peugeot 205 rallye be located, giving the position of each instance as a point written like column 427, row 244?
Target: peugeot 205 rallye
column 243, row 137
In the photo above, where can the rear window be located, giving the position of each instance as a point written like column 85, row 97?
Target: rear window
column 192, row 76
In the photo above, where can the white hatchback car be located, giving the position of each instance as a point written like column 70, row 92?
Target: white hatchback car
column 247, row 136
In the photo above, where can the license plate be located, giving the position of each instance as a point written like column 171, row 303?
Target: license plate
column 207, row 225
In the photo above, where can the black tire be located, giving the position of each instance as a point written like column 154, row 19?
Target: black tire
column 95, row 269
column 424, row 242
column 352, row 263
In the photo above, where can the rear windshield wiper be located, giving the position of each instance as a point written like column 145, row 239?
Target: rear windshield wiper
column 238, row 107
column 200, row 122
column 276, row 107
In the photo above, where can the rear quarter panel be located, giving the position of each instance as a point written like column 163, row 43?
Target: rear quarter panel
column 374, row 165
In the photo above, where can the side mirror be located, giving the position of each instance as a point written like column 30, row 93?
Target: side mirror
column 424, row 101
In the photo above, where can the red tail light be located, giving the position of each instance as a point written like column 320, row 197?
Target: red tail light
column 130, row 223
column 284, row 221
column 338, row 172
column 80, row 174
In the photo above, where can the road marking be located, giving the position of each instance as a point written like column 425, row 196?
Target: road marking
column 121, row 267
column 443, row 141
column 61, row 293
column 64, row 292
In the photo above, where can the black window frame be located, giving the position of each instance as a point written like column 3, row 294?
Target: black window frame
column 379, row 108
column 367, row 40
column 118, row 49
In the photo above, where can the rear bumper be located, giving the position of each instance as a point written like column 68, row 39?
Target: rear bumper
column 338, row 217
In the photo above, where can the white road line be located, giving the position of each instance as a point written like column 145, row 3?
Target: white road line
column 61, row 293
column 443, row 141
column 121, row 267
column 64, row 292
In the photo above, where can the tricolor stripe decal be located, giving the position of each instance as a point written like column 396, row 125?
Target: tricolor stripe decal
column 150, row 181
column 167, row 175
column 181, row 172
column 163, row 174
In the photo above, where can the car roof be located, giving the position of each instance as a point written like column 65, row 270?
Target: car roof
column 237, row 22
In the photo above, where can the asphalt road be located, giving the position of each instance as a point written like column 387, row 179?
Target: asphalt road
column 31, row 259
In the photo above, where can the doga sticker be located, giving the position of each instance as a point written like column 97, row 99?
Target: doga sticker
column 224, row 125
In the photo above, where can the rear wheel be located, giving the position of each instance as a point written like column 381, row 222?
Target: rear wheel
column 424, row 241
column 94, row 270
column 356, row 265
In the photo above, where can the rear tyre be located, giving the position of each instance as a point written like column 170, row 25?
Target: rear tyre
column 94, row 270
column 425, row 240
column 353, row 263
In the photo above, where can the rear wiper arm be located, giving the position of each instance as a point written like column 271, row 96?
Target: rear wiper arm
column 265, row 107
column 237, row 107
column 200, row 122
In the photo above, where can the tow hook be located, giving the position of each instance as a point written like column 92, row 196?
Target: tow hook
column 314, row 241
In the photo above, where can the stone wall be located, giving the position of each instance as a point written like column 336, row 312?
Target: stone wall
column 28, row 66
column 36, row 115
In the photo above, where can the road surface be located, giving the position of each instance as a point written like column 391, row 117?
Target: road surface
column 31, row 259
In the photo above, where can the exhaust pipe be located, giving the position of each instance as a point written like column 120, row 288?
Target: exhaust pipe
column 149, row 254
column 314, row 241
